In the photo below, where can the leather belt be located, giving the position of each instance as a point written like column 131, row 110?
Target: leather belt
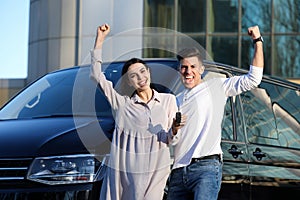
column 215, row 157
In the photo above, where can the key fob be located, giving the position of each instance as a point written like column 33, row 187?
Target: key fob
column 178, row 117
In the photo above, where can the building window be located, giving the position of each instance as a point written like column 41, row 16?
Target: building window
column 220, row 26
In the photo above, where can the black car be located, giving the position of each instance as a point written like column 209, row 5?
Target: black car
column 55, row 135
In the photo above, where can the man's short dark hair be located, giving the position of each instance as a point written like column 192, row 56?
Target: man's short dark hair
column 189, row 52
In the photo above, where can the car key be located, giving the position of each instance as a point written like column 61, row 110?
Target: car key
column 178, row 117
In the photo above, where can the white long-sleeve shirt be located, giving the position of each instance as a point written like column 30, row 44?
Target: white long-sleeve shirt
column 204, row 107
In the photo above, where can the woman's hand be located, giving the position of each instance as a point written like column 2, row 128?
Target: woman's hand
column 102, row 32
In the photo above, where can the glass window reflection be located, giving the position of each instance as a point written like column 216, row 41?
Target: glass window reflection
column 191, row 11
column 256, row 13
column 272, row 115
column 286, row 56
column 224, row 15
column 286, row 16
column 224, row 50
column 220, row 20
column 159, row 13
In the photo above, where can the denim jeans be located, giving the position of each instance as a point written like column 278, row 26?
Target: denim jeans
column 200, row 180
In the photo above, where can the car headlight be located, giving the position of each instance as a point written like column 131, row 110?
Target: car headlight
column 67, row 169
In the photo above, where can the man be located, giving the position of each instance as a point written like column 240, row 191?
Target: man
column 197, row 169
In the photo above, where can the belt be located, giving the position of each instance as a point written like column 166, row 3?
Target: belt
column 214, row 157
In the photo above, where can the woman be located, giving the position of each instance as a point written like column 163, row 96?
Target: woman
column 139, row 162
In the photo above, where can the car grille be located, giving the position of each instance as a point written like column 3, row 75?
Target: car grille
column 14, row 169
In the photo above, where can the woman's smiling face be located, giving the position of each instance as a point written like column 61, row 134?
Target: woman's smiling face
column 138, row 76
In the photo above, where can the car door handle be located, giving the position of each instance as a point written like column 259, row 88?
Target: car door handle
column 234, row 151
column 258, row 154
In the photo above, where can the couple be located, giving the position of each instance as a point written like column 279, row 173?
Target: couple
column 139, row 164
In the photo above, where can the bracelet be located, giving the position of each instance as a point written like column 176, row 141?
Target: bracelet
column 260, row 38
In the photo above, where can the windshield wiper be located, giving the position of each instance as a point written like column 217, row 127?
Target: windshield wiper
column 62, row 115
column 52, row 116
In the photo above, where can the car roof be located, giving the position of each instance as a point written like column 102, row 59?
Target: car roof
column 209, row 65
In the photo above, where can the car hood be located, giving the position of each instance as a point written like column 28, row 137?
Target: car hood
column 52, row 136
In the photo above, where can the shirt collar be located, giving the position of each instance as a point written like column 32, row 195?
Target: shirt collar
column 188, row 93
column 155, row 97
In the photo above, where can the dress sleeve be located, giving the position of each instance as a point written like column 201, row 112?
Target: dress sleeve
column 238, row 84
column 115, row 99
column 166, row 135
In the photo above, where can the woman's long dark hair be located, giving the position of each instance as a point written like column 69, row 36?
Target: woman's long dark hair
column 130, row 62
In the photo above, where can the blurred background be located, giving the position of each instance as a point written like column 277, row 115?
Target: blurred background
column 61, row 33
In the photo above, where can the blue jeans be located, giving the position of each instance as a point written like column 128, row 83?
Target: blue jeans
column 200, row 180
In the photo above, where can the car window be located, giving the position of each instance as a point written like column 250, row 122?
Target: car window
column 227, row 125
column 86, row 98
column 64, row 93
column 71, row 92
column 232, row 124
column 39, row 98
column 286, row 109
column 272, row 115
column 53, row 99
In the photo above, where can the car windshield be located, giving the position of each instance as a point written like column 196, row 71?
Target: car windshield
column 71, row 92
column 58, row 94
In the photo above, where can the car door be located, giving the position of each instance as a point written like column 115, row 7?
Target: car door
column 272, row 116
column 235, row 181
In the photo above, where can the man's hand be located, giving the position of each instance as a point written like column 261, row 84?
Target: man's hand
column 258, row 57
column 176, row 126
column 102, row 32
column 254, row 32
